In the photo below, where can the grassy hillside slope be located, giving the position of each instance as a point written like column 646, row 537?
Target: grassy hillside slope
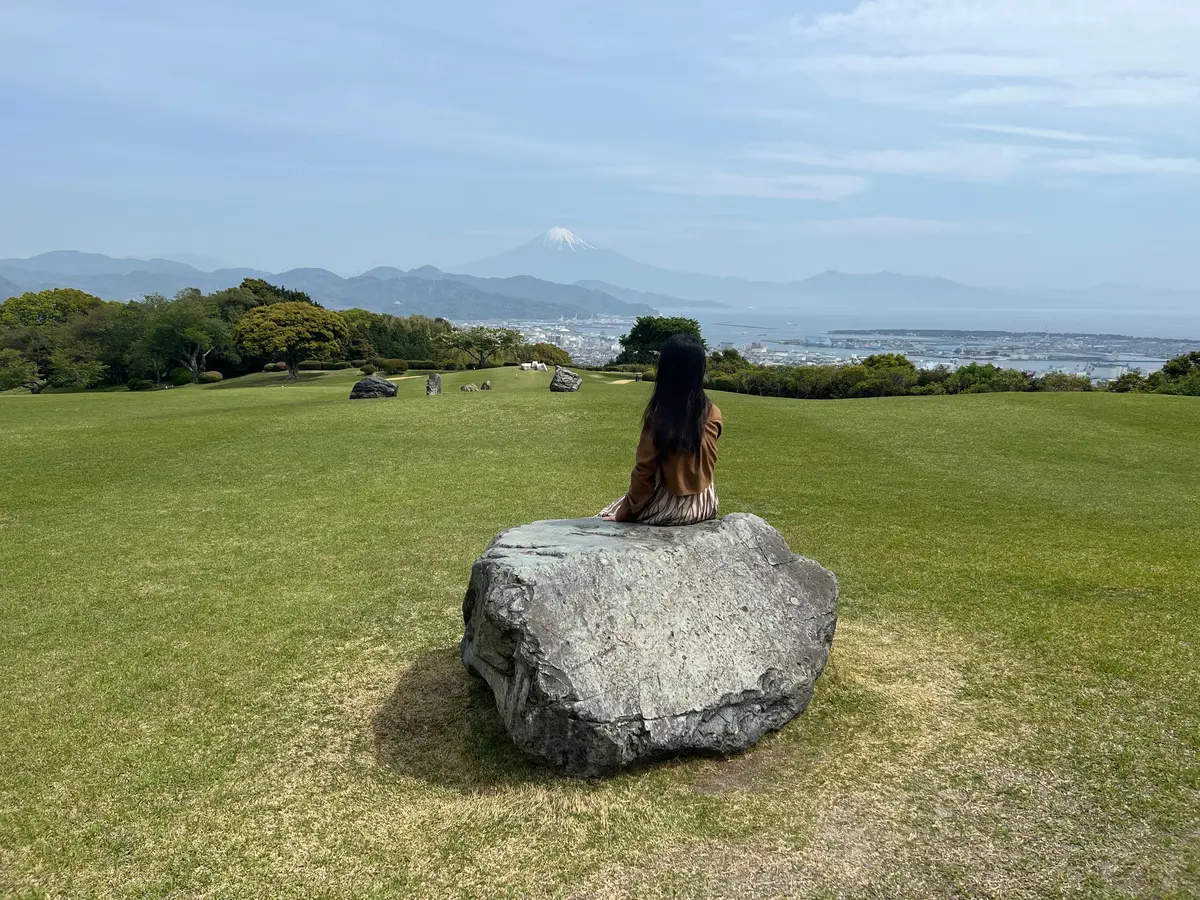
column 230, row 616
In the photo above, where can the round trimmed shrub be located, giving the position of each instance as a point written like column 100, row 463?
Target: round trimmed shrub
column 368, row 369
column 392, row 366
column 211, row 377
column 275, row 367
column 180, row 377
column 723, row 382
column 422, row 364
column 139, row 384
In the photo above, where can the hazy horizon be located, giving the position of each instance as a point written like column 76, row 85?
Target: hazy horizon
column 1009, row 145
column 207, row 264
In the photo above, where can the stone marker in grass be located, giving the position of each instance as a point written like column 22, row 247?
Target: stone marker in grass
column 486, row 386
column 564, row 380
column 433, row 385
column 610, row 644
column 468, row 387
column 372, row 386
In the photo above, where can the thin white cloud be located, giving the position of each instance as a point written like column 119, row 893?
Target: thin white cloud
column 624, row 171
column 1129, row 92
column 1129, row 164
column 1045, row 134
column 963, row 64
column 1098, row 53
column 878, row 225
column 958, row 160
column 784, row 187
column 980, row 162
column 785, row 115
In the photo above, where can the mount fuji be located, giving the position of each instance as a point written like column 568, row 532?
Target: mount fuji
column 559, row 255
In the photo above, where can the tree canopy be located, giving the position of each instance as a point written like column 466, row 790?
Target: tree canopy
column 644, row 341
column 17, row 370
column 267, row 293
column 186, row 330
column 550, row 354
column 483, row 342
column 290, row 331
column 393, row 337
column 52, row 307
column 1180, row 375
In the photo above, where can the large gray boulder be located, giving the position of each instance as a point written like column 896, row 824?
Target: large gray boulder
column 608, row 644
column 372, row 386
column 564, row 380
column 433, row 385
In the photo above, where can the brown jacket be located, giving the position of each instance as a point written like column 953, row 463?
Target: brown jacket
column 681, row 473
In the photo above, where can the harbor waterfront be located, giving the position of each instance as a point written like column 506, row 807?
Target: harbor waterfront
column 772, row 340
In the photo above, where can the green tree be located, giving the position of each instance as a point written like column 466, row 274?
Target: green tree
column 975, row 378
column 645, row 339
column 889, row 361
column 290, row 331
column 186, row 329
column 17, row 370
column 357, row 344
column 483, row 342
column 1182, row 366
column 542, row 352
column 52, row 307
column 727, row 362
column 1128, row 382
column 889, row 375
column 34, row 343
column 267, row 293
column 1180, row 375
column 109, row 331
column 76, row 366
column 394, row 337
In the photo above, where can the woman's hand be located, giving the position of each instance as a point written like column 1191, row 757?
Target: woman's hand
column 621, row 514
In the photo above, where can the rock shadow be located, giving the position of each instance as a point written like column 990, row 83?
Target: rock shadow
column 440, row 725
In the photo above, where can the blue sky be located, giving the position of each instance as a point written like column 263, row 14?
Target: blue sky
column 1011, row 143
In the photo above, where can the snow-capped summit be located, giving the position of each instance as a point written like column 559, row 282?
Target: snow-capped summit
column 562, row 239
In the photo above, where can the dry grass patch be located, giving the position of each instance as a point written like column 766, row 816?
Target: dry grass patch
column 927, row 801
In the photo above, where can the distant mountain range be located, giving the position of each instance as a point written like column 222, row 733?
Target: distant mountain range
column 8, row 289
column 659, row 300
column 525, row 286
column 559, row 255
column 427, row 290
column 560, row 275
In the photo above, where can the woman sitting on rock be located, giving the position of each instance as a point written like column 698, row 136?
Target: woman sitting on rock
column 672, row 480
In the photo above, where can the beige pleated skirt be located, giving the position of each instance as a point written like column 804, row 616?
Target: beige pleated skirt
column 665, row 508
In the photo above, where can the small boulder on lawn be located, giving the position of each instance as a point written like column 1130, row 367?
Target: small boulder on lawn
column 468, row 387
column 372, row 386
column 433, row 385
column 486, row 386
column 565, row 381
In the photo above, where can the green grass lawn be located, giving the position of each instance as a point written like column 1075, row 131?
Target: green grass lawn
column 229, row 616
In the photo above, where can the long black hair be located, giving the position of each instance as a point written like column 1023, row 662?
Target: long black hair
column 678, row 408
